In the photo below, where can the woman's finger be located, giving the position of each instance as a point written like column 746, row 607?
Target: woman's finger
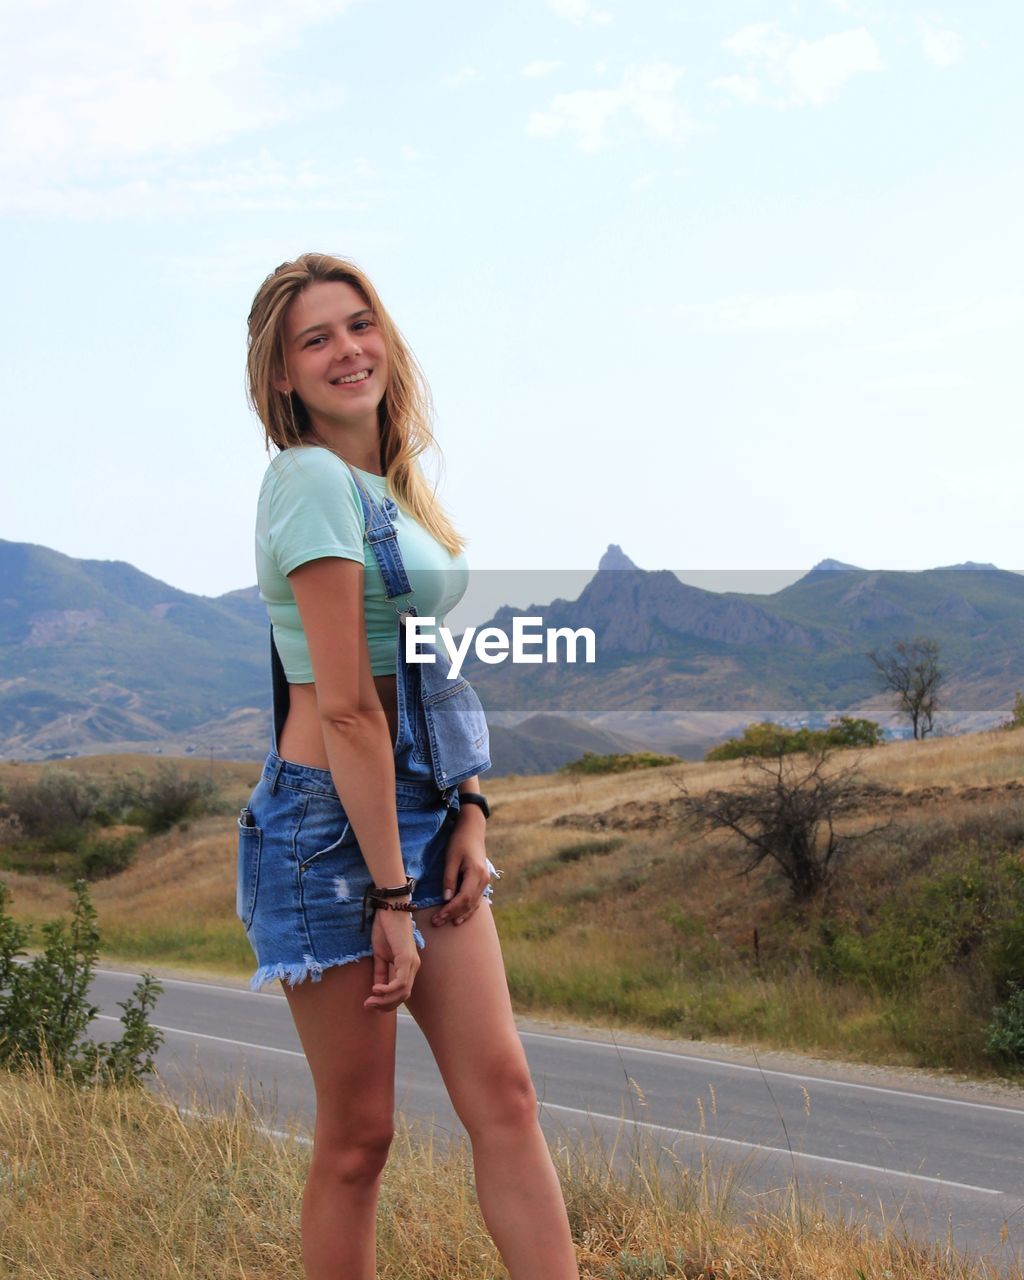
column 466, row 900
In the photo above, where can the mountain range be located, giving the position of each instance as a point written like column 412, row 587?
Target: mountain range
column 99, row 656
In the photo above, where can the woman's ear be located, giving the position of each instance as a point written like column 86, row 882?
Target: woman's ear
column 282, row 383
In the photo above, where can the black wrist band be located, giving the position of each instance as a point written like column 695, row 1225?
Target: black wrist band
column 474, row 797
column 399, row 891
column 374, row 897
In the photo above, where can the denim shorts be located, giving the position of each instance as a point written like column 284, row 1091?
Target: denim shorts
column 301, row 873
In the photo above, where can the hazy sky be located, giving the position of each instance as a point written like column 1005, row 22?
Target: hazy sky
column 734, row 285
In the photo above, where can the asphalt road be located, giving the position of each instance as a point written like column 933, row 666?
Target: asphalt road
column 940, row 1164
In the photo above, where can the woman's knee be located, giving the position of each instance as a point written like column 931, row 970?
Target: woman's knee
column 507, row 1101
column 353, row 1159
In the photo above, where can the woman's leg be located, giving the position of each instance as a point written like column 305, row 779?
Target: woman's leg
column 351, row 1054
column 462, row 1004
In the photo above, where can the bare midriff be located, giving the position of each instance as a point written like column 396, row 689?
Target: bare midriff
column 302, row 738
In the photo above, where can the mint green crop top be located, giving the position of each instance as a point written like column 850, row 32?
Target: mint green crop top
column 309, row 508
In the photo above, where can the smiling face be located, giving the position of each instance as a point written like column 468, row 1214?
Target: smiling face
column 335, row 357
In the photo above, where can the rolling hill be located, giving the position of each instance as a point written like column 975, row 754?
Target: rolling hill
column 96, row 655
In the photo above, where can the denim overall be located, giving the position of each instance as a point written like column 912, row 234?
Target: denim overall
column 301, row 874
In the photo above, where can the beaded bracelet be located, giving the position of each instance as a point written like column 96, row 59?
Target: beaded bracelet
column 374, row 898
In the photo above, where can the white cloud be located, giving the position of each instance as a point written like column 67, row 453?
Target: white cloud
column 916, row 382
column 765, row 40
column 463, row 76
column 928, row 329
column 243, row 262
column 940, row 45
column 84, row 89
column 743, row 88
column 579, row 11
column 540, row 67
column 645, row 97
column 779, row 311
column 818, row 69
column 807, row 71
column 258, row 183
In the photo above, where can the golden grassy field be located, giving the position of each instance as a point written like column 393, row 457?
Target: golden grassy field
column 120, row 1184
column 612, row 913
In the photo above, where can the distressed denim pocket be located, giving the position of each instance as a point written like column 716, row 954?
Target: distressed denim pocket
column 250, row 845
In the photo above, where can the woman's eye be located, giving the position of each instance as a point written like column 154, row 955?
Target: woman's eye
column 361, row 324
column 313, row 341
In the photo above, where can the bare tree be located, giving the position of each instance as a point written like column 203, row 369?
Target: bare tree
column 910, row 669
column 786, row 811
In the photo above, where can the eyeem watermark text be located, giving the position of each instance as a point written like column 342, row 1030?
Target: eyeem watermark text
column 530, row 641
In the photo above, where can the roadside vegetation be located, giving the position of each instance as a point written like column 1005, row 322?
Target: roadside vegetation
column 122, row 1183
column 617, row 909
column 65, row 822
column 45, row 1010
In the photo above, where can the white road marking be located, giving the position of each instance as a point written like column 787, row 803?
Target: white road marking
column 639, row 1124
column 783, row 1075
column 202, row 1035
column 657, row 1053
column 783, row 1151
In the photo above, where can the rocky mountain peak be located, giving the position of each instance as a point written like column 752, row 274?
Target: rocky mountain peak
column 615, row 558
column 830, row 566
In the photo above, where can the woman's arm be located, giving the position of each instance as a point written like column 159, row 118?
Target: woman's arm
column 329, row 596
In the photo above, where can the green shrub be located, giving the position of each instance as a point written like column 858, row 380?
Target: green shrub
column 850, row 731
column 54, row 810
column 760, row 739
column 106, row 856
column 45, row 1009
column 169, row 796
column 765, row 739
column 588, row 849
column 591, row 762
column 1005, row 957
column 970, row 919
column 1004, row 1036
column 1016, row 720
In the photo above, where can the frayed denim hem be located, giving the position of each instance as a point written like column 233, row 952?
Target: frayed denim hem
column 309, row 968
column 293, row 974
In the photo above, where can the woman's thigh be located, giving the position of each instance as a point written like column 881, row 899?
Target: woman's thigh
column 350, row 1050
column 461, row 1002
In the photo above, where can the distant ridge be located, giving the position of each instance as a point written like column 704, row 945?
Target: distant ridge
column 832, row 566
column 99, row 656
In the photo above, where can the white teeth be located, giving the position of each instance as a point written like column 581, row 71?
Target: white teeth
column 354, row 377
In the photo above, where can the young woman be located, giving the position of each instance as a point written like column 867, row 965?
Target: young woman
column 363, row 842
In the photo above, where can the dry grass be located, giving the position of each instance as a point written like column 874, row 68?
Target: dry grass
column 121, row 1184
column 648, row 927
column 979, row 759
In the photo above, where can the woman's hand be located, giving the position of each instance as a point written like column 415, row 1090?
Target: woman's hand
column 395, row 960
column 465, row 871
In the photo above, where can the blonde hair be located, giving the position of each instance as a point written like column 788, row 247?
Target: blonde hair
column 404, row 412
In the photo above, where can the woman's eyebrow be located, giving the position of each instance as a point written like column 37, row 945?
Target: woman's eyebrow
column 324, row 324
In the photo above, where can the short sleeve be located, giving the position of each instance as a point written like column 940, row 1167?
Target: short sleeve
column 314, row 510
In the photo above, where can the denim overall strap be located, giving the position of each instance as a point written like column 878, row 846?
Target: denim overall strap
column 382, row 537
column 453, row 717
